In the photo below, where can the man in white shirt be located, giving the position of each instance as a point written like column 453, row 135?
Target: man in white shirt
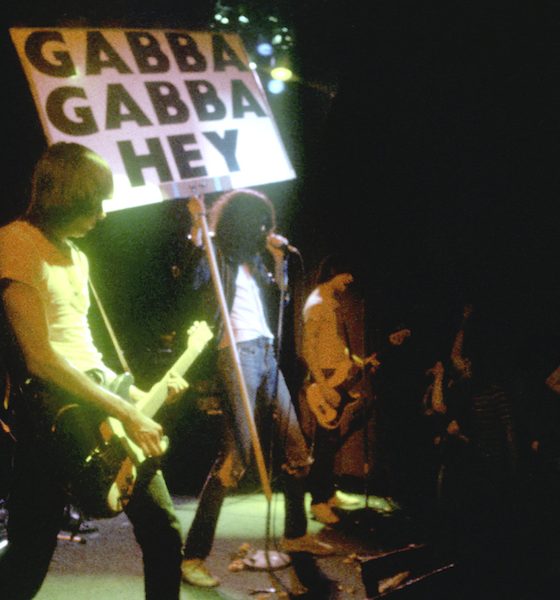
column 47, row 340
column 326, row 354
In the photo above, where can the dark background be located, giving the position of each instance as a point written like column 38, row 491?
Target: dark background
column 426, row 139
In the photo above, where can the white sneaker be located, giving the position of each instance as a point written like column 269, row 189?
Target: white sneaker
column 324, row 514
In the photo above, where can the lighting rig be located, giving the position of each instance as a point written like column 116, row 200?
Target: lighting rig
column 269, row 40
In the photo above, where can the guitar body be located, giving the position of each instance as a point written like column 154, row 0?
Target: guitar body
column 99, row 471
column 100, row 462
column 349, row 380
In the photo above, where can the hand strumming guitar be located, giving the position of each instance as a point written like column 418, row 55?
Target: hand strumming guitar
column 330, row 395
column 143, row 430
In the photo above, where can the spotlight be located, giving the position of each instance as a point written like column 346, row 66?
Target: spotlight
column 264, row 48
column 281, row 73
column 281, row 69
column 275, row 86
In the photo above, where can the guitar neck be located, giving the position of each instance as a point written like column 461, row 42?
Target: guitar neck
column 156, row 397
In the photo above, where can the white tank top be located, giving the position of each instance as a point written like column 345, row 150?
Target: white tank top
column 247, row 317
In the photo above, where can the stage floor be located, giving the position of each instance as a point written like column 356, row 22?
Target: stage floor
column 370, row 543
column 108, row 564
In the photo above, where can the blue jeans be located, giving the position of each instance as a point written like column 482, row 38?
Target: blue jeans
column 266, row 391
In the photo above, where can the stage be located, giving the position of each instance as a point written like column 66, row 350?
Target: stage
column 108, row 563
column 371, row 545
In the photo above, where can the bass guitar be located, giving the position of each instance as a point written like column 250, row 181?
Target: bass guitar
column 349, row 381
column 103, row 462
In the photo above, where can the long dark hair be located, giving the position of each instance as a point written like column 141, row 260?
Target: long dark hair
column 241, row 220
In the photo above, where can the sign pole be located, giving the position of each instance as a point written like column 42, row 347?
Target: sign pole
column 232, row 348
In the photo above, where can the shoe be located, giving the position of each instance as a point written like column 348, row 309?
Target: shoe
column 195, row 572
column 324, row 514
column 306, row 543
column 382, row 505
column 342, row 500
column 86, row 527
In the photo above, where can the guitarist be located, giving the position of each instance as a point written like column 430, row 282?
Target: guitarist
column 326, row 354
column 337, row 379
column 45, row 300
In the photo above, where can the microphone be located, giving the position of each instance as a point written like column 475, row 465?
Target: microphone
column 289, row 248
column 281, row 243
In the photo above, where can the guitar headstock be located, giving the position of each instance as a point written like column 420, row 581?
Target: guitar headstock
column 199, row 334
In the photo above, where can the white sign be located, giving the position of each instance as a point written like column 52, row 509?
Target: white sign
column 173, row 112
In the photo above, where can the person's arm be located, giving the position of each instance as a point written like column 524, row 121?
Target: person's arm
column 460, row 362
column 437, row 401
column 176, row 385
column 275, row 244
column 197, row 211
column 553, row 380
column 26, row 315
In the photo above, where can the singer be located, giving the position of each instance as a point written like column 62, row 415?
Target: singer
column 243, row 222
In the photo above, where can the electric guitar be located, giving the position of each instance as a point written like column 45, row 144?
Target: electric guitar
column 102, row 460
column 349, row 381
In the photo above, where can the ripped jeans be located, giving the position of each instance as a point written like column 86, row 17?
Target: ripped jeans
column 266, row 391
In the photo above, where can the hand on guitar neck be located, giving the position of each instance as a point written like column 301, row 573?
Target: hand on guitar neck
column 371, row 362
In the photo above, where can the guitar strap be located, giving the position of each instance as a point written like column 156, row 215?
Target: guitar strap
column 110, row 330
column 117, row 346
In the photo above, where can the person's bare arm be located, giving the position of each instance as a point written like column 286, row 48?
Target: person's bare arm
column 197, row 211
column 26, row 314
column 275, row 244
column 461, row 363
column 437, row 400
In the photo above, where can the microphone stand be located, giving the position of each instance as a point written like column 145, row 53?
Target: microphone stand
column 232, row 348
column 272, row 559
